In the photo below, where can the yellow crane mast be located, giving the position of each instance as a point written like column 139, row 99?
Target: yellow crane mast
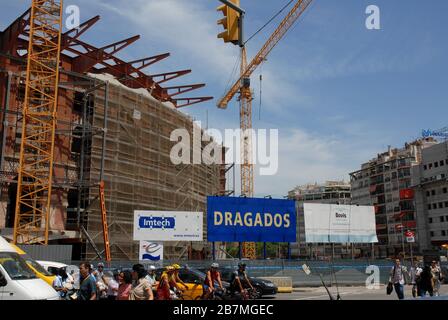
column 35, row 171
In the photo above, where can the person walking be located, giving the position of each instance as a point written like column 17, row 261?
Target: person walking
column 426, row 282
column 125, row 285
column 87, row 287
column 142, row 289
column 397, row 278
column 415, row 272
column 100, row 285
column 436, row 277
column 111, row 282
column 151, row 277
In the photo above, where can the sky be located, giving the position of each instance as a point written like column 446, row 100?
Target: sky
column 338, row 93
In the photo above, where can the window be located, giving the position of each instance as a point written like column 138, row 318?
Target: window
column 429, row 206
column 440, row 205
column 446, row 204
column 436, row 164
column 446, row 161
column 428, row 194
column 443, row 176
column 442, row 219
column 441, row 163
column 434, row 206
column 433, row 192
column 430, row 166
column 425, row 167
column 445, row 190
column 432, row 233
column 443, row 233
column 430, row 220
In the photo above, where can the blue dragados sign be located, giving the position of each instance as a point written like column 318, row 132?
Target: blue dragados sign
column 234, row 219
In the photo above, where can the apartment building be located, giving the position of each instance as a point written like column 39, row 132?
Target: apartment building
column 430, row 183
column 386, row 182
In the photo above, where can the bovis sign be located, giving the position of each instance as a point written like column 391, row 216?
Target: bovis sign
column 234, row 219
column 168, row 226
column 330, row 223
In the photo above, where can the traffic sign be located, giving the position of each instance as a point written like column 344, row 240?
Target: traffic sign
column 409, row 234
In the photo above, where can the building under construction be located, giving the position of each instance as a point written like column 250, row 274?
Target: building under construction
column 114, row 124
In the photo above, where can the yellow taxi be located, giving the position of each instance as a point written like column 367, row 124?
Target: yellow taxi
column 193, row 280
column 38, row 270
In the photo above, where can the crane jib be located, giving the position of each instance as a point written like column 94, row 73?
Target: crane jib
column 279, row 33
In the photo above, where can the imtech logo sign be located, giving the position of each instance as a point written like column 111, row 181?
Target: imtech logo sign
column 168, row 226
column 157, row 223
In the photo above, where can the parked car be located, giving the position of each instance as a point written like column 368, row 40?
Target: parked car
column 194, row 280
column 261, row 286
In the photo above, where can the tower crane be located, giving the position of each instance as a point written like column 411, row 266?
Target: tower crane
column 35, row 172
column 242, row 86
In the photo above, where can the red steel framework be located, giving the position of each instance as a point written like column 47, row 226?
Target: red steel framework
column 87, row 58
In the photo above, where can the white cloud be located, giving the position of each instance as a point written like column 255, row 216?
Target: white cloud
column 184, row 27
column 307, row 158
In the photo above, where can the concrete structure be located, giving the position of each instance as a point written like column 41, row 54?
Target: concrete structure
column 332, row 192
column 386, row 183
column 114, row 125
column 430, row 182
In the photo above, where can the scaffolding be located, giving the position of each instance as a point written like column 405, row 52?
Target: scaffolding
column 113, row 123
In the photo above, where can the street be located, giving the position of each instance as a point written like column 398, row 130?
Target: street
column 346, row 293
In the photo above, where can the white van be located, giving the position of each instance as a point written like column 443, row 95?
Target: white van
column 18, row 281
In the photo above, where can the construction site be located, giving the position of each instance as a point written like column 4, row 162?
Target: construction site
column 114, row 123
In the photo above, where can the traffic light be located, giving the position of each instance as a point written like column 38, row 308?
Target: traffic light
column 230, row 22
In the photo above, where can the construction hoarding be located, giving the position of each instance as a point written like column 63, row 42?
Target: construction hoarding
column 328, row 223
column 168, row 226
column 234, row 219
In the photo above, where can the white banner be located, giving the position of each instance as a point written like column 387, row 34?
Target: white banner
column 151, row 251
column 330, row 223
column 168, row 226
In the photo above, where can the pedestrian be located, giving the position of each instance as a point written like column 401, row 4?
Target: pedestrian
column 426, row 282
column 151, row 276
column 397, row 278
column 87, row 287
column 415, row 272
column 142, row 289
column 436, row 277
column 125, row 285
column 100, row 285
column 63, row 284
column 111, row 281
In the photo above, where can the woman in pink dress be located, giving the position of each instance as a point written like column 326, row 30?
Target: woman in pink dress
column 125, row 285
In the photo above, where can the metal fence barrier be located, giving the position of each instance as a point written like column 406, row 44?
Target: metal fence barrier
column 340, row 272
